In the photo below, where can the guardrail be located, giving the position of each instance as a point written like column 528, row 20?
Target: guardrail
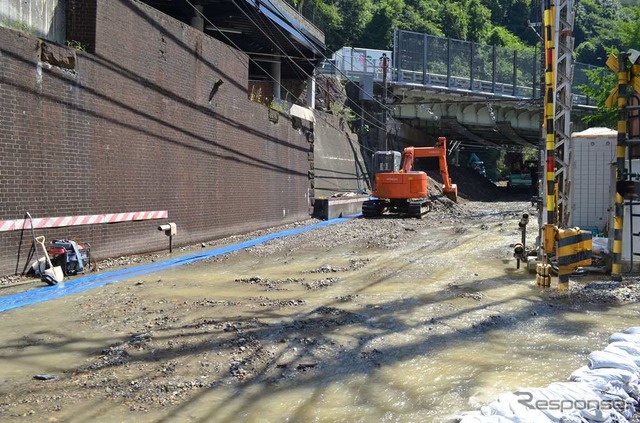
column 431, row 61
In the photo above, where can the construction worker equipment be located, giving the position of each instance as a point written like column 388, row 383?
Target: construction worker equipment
column 398, row 188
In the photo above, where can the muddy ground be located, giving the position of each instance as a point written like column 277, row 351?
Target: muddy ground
column 295, row 312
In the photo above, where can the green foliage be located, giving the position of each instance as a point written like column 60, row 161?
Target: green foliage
column 455, row 21
column 18, row 25
column 601, row 82
column 500, row 36
column 479, row 20
column 518, row 13
column 370, row 23
column 379, row 30
column 343, row 112
column 596, row 23
column 421, row 17
column 76, row 45
column 628, row 29
column 274, row 105
column 355, row 15
column 599, row 24
column 256, row 95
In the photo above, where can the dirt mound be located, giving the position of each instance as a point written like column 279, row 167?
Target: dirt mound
column 474, row 187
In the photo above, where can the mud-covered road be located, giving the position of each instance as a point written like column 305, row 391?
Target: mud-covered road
column 369, row 320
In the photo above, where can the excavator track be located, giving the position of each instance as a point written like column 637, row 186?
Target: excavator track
column 372, row 208
column 418, row 209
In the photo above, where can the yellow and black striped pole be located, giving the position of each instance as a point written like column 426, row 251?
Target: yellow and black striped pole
column 623, row 79
column 549, row 111
column 547, row 236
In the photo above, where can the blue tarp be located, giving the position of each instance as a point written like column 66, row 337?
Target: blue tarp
column 85, row 283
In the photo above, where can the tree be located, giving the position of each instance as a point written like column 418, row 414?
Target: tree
column 500, row 36
column 513, row 15
column 332, row 19
column 455, row 21
column 596, row 23
column 628, row 28
column 356, row 14
column 479, row 20
column 379, row 31
column 518, row 13
column 422, row 16
column 601, row 82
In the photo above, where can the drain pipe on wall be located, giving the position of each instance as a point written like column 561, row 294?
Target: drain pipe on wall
column 170, row 230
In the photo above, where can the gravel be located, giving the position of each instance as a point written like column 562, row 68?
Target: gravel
column 175, row 347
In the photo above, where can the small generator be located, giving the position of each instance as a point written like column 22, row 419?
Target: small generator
column 73, row 257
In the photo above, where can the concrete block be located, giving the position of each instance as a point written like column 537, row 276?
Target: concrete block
column 331, row 208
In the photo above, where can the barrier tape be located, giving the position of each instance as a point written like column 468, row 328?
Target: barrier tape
column 95, row 219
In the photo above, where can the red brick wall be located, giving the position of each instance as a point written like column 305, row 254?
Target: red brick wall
column 132, row 128
column 80, row 23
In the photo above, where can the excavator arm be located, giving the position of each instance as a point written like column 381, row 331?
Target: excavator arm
column 440, row 151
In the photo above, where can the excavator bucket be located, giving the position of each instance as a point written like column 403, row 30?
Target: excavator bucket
column 453, row 196
column 452, row 193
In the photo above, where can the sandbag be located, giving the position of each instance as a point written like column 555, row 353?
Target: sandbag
column 609, row 359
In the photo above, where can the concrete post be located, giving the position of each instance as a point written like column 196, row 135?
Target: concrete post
column 311, row 92
column 276, row 73
column 197, row 21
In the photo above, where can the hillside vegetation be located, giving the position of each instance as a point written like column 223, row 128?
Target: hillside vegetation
column 600, row 25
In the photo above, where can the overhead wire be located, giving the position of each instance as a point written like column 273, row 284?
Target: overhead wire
column 239, row 55
column 520, row 101
column 255, row 61
column 238, row 50
column 384, row 106
column 271, row 37
column 387, row 109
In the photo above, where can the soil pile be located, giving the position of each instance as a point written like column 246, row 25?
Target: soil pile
column 474, row 187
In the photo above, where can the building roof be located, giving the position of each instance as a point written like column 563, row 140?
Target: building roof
column 595, row 133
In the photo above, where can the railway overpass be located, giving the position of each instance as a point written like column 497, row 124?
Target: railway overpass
column 476, row 94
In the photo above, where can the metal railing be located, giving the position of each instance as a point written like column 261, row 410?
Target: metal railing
column 310, row 11
column 457, row 65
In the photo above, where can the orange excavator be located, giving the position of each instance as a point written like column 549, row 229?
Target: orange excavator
column 398, row 188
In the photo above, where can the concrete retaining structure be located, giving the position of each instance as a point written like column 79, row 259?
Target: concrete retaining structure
column 44, row 18
column 331, row 208
column 338, row 165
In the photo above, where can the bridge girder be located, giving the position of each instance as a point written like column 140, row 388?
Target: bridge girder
column 477, row 121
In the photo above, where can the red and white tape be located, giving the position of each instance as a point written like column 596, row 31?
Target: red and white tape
column 94, row 219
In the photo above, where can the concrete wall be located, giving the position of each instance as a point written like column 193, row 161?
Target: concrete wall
column 43, row 18
column 138, row 126
column 338, row 163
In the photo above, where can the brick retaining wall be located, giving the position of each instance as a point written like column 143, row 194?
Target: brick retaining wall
column 136, row 126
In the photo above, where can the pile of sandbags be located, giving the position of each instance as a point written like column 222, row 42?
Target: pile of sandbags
column 606, row 390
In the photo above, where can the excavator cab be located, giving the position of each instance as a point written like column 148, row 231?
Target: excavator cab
column 385, row 162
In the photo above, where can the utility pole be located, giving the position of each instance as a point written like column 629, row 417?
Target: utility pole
column 385, row 66
column 573, row 245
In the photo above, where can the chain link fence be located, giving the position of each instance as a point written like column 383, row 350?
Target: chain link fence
column 463, row 65
column 310, row 11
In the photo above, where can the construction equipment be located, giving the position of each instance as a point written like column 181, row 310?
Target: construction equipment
column 73, row 257
column 476, row 164
column 522, row 173
column 397, row 188
column 51, row 274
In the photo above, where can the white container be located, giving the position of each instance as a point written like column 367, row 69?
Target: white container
column 592, row 180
